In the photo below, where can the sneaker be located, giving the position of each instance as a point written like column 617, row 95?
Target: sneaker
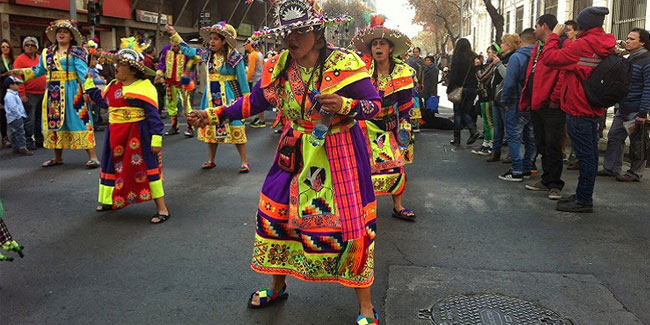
column 494, row 157
column 510, row 177
column 574, row 206
column 554, row 194
column 258, row 123
column 627, row 178
column 172, row 131
column 189, row 133
column 472, row 138
column 485, row 151
column 539, row 186
column 568, row 198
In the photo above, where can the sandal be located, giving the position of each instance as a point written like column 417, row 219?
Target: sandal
column 161, row 218
column 363, row 320
column 208, row 165
column 245, row 168
column 92, row 164
column 51, row 163
column 404, row 214
column 268, row 297
column 104, row 207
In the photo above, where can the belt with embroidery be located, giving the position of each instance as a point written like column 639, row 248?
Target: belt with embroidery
column 125, row 114
column 220, row 77
column 304, row 126
column 61, row 76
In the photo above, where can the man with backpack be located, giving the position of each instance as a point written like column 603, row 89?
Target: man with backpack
column 541, row 95
column 579, row 59
column 633, row 108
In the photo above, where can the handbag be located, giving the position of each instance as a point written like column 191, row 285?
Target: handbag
column 456, row 95
column 289, row 158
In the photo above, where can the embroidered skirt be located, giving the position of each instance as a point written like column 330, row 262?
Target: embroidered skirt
column 386, row 160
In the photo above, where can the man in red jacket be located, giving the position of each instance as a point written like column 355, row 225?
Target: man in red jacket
column 579, row 59
column 547, row 117
column 31, row 93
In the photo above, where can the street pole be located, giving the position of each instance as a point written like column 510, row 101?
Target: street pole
column 158, row 23
column 73, row 9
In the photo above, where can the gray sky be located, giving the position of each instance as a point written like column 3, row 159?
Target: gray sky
column 400, row 15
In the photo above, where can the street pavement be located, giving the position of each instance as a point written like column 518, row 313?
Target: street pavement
column 474, row 234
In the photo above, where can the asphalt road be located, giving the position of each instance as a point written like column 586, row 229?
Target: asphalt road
column 84, row 267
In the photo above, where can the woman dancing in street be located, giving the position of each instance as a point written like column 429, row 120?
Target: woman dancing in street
column 67, row 121
column 131, row 168
column 226, row 83
column 388, row 134
column 316, row 215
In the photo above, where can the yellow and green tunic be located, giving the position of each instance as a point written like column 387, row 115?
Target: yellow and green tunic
column 172, row 66
column 226, row 83
column 67, row 122
column 387, row 157
column 130, row 172
column 309, row 219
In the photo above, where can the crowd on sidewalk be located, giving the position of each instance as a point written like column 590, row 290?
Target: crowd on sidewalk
column 545, row 91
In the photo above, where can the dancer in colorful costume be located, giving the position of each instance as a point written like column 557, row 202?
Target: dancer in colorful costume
column 131, row 170
column 7, row 243
column 172, row 70
column 67, row 121
column 226, row 83
column 316, row 215
column 388, row 135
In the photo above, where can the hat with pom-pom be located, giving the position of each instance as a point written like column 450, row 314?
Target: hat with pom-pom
column 361, row 42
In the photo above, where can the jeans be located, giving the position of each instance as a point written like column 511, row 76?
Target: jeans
column 17, row 134
column 463, row 111
column 616, row 147
column 549, row 125
column 33, row 126
column 520, row 129
column 498, row 120
column 584, row 136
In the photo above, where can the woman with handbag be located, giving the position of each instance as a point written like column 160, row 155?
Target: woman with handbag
column 317, row 208
column 67, row 121
column 462, row 90
column 389, row 132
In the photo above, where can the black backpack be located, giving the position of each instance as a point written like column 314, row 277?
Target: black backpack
column 609, row 83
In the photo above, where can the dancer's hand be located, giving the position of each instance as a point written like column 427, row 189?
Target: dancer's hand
column 331, row 102
column 170, row 30
column 197, row 118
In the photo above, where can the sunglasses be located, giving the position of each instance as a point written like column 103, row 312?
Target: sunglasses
column 30, row 45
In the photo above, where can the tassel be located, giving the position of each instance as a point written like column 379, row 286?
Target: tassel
column 353, row 257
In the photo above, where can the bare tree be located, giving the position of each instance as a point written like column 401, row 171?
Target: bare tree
column 496, row 17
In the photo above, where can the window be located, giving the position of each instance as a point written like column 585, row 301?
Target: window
column 508, row 22
column 578, row 5
column 550, row 7
column 627, row 14
column 519, row 19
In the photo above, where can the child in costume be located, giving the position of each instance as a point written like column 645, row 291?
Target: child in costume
column 226, row 83
column 388, row 135
column 131, row 168
column 67, row 121
column 6, row 241
column 317, row 208
column 171, row 71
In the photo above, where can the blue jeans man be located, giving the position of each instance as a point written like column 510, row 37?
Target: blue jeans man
column 519, row 130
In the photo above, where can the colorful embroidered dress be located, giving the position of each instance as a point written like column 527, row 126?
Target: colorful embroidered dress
column 226, row 83
column 67, row 122
column 309, row 220
column 387, row 158
column 130, row 171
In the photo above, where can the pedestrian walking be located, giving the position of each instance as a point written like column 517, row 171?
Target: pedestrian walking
column 131, row 168
column 541, row 95
column 633, row 108
column 227, row 82
column 68, row 123
column 519, row 128
column 316, row 216
column 31, row 92
column 462, row 74
column 579, row 59
column 389, row 131
column 504, row 51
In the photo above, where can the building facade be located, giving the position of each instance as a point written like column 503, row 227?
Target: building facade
column 521, row 14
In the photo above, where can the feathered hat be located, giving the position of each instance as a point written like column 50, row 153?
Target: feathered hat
column 131, row 53
column 297, row 14
column 223, row 29
column 71, row 25
column 363, row 39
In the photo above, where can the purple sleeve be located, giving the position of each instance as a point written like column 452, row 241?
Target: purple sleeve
column 404, row 102
column 156, row 125
column 248, row 105
column 162, row 61
column 96, row 96
column 367, row 102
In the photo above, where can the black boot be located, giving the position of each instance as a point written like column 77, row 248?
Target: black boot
column 473, row 135
column 456, row 140
column 495, row 156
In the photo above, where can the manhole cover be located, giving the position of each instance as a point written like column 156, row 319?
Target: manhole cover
column 489, row 310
